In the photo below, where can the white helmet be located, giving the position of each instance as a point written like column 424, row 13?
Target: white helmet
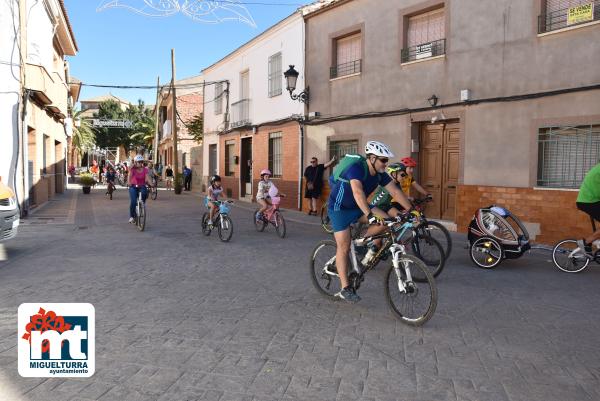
column 378, row 149
column 138, row 158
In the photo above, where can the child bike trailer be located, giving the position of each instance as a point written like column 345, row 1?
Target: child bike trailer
column 496, row 234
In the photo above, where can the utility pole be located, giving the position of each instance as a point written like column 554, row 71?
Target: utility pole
column 155, row 150
column 174, row 128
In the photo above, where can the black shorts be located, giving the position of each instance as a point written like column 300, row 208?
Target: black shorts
column 395, row 205
column 593, row 209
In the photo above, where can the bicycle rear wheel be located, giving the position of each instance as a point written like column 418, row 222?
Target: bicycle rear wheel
column 258, row 224
column 205, row 219
column 325, row 220
column 412, row 302
column 568, row 257
column 141, row 219
column 430, row 252
column 323, row 271
column 225, row 228
column 279, row 224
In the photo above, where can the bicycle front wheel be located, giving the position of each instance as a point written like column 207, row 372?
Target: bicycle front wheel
column 279, row 224
column 154, row 193
column 430, row 252
column 323, row 270
column 325, row 220
column 440, row 233
column 141, row 219
column 225, row 228
column 410, row 301
column 568, row 257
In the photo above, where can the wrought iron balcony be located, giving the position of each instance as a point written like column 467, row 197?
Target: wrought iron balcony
column 341, row 70
column 424, row 50
column 559, row 19
column 240, row 113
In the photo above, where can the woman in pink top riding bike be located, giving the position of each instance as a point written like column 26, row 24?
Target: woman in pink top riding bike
column 138, row 178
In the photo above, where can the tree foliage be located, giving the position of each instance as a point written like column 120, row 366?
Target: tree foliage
column 139, row 136
column 83, row 134
column 195, row 127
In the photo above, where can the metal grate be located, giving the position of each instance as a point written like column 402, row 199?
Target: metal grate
column 341, row 70
column 555, row 20
column 341, row 148
column 566, row 154
column 424, row 50
column 276, row 154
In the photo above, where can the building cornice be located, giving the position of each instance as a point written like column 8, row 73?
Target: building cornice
column 325, row 8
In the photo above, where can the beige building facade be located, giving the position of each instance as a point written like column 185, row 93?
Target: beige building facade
column 49, row 101
column 498, row 101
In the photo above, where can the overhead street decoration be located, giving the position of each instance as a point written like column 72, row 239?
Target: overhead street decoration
column 104, row 123
column 203, row 11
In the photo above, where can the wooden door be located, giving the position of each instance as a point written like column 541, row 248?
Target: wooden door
column 246, row 167
column 451, row 150
column 431, row 161
column 439, row 166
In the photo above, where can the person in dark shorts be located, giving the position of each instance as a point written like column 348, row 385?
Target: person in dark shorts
column 314, row 182
column 588, row 201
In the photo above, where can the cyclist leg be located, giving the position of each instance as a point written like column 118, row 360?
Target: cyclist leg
column 132, row 201
column 264, row 205
column 340, row 222
column 375, row 229
column 144, row 190
column 593, row 210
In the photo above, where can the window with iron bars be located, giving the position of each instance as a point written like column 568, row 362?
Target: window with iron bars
column 566, row 154
column 275, row 75
column 229, row 158
column 559, row 14
column 275, row 154
column 348, row 56
column 341, row 148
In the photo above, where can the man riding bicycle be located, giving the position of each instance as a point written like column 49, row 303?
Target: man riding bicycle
column 348, row 204
column 588, row 201
column 138, row 178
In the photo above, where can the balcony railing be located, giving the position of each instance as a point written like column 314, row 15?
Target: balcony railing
column 560, row 19
column 341, row 70
column 424, row 50
column 240, row 113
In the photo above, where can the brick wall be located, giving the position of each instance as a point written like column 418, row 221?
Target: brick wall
column 288, row 182
column 554, row 211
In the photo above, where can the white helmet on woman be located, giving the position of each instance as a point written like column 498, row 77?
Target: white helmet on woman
column 138, row 158
column 378, row 149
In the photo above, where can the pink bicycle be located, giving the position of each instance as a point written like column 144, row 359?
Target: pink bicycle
column 273, row 216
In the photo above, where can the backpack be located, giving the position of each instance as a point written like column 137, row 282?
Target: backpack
column 344, row 164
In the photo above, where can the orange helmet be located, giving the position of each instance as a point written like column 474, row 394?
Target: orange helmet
column 409, row 162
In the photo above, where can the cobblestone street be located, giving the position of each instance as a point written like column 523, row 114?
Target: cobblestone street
column 181, row 316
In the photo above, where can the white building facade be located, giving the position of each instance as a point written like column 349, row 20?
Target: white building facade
column 250, row 121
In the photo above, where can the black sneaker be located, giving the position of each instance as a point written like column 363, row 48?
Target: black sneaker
column 348, row 295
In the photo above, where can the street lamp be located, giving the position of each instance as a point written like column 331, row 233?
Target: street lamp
column 291, row 77
column 433, row 100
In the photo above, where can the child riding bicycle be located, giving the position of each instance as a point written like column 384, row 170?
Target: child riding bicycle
column 214, row 191
column 401, row 174
column 266, row 190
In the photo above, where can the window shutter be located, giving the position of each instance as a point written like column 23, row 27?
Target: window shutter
column 426, row 28
column 349, row 49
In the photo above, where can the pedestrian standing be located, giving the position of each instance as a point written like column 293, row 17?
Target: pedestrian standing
column 314, row 182
column 187, row 178
column 169, row 178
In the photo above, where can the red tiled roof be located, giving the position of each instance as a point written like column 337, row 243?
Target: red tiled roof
column 64, row 11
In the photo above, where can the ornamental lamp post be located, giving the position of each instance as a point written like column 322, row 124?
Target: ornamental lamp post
column 291, row 78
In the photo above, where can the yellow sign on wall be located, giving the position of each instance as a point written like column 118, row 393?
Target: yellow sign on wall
column 583, row 13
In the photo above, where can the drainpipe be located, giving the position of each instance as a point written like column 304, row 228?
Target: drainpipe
column 300, row 161
column 25, row 149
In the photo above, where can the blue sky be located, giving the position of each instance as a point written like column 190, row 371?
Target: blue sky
column 118, row 46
